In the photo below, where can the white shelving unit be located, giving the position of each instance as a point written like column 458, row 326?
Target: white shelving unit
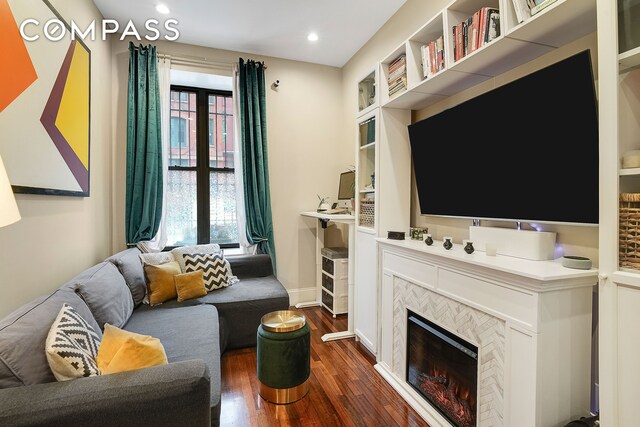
column 518, row 43
column 619, row 289
column 384, row 161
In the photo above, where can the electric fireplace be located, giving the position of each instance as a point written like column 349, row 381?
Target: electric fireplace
column 443, row 368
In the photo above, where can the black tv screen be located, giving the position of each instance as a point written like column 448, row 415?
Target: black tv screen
column 525, row 151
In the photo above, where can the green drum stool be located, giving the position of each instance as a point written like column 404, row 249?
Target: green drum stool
column 283, row 356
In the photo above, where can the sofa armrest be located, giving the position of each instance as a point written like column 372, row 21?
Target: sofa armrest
column 176, row 394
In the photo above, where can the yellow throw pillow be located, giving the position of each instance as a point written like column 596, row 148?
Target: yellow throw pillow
column 160, row 284
column 122, row 351
column 190, row 285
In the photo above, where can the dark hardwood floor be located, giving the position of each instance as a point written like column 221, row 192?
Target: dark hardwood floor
column 345, row 389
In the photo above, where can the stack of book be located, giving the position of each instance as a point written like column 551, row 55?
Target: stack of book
column 479, row 29
column 398, row 75
column 432, row 57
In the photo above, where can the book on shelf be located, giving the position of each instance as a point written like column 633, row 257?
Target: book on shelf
column 493, row 26
column 426, row 60
column 397, row 78
column 399, row 72
column 476, row 31
column 490, row 25
column 541, row 5
column 439, row 47
column 523, row 9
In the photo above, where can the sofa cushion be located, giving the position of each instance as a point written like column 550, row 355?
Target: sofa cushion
column 241, row 306
column 106, row 293
column 23, row 334
column 130, row 266
column 187, row 333
column 72, row 346
column 216, row 270
column 179, row 252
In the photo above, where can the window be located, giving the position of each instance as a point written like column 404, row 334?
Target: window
column 201, row 191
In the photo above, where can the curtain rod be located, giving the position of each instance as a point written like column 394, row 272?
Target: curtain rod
column 194, row 60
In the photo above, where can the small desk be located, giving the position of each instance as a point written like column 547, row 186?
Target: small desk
column 350, row 220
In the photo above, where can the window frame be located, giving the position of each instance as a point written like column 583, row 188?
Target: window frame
column 203, row 168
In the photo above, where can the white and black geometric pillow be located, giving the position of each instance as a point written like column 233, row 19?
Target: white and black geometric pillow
column 216, row 269
column 72, row 346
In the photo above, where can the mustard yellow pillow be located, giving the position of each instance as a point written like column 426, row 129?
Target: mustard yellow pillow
column 160, row 284
column 122, row 351
column 190, row 285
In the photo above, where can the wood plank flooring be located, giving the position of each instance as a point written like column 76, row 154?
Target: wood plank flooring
column 345, row 389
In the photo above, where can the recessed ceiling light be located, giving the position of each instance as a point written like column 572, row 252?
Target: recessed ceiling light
column 312, row 37
column 162, row 8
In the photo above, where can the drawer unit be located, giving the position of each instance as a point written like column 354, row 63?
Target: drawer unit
column 335, row 286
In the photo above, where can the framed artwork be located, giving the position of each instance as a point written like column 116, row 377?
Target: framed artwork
column 45, row 102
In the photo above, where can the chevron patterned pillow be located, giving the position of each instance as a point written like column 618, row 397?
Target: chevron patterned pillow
column 216, row 270
column 72, row 346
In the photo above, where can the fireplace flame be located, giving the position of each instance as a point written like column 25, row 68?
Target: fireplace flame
column 450, row 397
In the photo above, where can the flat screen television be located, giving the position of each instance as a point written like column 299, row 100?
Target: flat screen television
column 525, row 151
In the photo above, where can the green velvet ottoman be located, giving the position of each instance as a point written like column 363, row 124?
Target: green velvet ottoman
column 283, row 353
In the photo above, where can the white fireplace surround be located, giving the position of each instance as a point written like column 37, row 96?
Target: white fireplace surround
column 531, row 322
column 480, row 329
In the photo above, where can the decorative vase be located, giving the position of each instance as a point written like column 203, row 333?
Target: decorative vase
column 428, row 240
column 447, row 243
column 468, row 248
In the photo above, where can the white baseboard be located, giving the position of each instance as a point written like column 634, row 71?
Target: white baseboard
column 303, row 297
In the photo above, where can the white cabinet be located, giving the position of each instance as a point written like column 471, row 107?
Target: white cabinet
column 383, row 182
column 366, row 290
column 619, row 290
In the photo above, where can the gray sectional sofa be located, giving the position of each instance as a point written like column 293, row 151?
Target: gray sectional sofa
column 194, row 334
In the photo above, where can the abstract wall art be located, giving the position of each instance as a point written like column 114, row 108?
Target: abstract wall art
column 45, row 103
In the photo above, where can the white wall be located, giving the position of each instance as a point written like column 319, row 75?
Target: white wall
column 305, row 121
column 574, row 240
column 60, row 236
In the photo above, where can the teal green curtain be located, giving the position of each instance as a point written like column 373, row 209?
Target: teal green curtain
column 144, row 146
column 255, row 161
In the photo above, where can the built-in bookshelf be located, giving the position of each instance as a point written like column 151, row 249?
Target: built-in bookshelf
column 368, row 129
column 517, row 43
column 619, row 290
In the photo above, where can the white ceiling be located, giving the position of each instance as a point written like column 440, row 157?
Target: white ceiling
column 275, row 28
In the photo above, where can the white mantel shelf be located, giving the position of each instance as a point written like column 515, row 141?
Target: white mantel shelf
column 542, row 275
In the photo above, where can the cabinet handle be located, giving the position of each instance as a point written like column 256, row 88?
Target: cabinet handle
column 603, row 276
